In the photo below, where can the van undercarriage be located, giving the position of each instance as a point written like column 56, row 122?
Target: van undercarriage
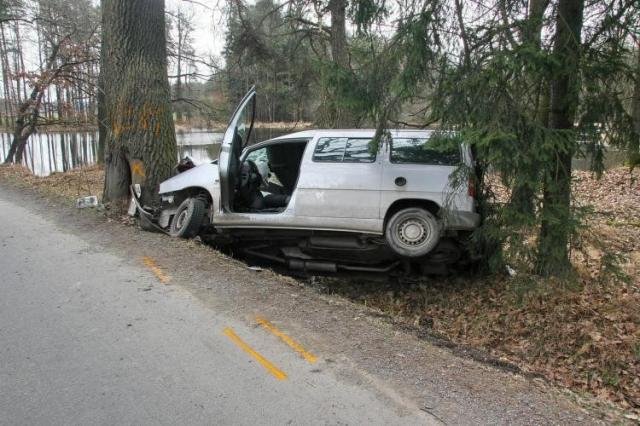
column 332, row 252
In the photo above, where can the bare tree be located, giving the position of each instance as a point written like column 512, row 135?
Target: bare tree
column 182, row 52
column 66, row 45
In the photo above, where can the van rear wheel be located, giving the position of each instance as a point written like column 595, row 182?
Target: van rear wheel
column 413, row 232
column 187, row 221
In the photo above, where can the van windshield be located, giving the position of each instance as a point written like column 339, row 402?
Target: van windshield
column 434, row 151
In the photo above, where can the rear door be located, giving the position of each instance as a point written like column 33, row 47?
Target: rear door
column 340, row 178
column 418, row 166
column 235, row 139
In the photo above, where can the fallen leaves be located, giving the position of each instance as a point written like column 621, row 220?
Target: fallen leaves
column 79, row 182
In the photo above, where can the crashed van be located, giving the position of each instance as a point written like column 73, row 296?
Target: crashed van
column 325, row 200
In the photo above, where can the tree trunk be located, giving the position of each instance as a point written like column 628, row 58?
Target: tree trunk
column 338, row 34
column 101, row 114
column 6, row 72
column 140, row 136
column 63, row 151
column 29, row 111
column 553, row 253
column 25, row 125
column 178, row 107
column 523, row 193
column 338, row 117
column 634, row 147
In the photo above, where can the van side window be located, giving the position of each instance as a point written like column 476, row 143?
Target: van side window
column 359, row 151
column 343, row 150
column 424, row 151
column 330, row 150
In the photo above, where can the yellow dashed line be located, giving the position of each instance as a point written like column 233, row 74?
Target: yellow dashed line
column 275, row 371
column 288, row 340
column 159, row 273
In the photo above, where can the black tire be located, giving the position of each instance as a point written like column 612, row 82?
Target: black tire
column 413, row 232
column 187, row 221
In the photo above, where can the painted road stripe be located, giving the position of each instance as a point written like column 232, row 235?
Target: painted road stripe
column 275, row 371
column 311, row 358
column 153, row 266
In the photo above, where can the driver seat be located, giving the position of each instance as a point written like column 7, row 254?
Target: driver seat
column 249, row 194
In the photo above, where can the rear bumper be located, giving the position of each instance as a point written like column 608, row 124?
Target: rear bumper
column 462, row 221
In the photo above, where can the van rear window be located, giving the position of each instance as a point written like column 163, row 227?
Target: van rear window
column 434, row 151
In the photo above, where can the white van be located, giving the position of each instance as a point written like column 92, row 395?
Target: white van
column 325, row 199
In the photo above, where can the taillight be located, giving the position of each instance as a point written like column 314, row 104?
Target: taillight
column 471, row 187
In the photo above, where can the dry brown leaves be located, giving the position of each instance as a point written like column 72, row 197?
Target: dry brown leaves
column 586, row 339
column 73, row 184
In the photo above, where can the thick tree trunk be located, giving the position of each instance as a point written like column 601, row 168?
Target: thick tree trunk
column 553, row 253
column 140, row 136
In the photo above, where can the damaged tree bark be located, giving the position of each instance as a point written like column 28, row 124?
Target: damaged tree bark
column 139, row 135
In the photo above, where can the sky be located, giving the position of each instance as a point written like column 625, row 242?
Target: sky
column 208, row 22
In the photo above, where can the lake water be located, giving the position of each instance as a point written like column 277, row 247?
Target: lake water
column 46, row 153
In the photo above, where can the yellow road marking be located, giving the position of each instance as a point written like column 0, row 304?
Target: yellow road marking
column 275, row 371
column 311, row 358
column 159, row 273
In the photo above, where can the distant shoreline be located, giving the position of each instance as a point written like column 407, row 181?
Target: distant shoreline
column 180, row 127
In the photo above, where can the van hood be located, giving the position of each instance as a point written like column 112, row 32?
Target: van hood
column 205, row 176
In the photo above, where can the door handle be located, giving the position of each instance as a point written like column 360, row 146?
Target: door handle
column 400, row 181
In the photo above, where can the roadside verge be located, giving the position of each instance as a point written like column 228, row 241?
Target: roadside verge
column 363, row 345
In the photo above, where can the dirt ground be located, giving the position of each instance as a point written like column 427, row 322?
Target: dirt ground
column 582, row 335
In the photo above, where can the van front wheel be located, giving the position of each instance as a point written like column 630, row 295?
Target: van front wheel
column 413, row 232
column 187, row 221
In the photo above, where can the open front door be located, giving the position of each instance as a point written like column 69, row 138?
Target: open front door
column 235, row 139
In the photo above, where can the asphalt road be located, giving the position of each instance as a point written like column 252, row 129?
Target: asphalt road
column 92, row 337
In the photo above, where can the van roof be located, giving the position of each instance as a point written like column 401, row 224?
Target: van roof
column 308, row 134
